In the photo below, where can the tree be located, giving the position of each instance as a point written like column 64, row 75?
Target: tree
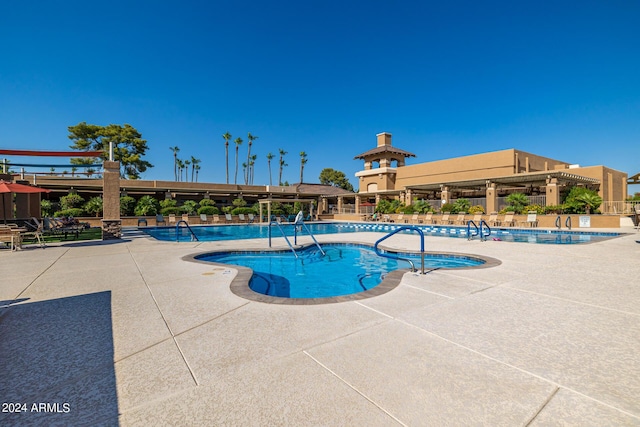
column 330, row 176
column 180, row 168
column 282, row 164
column 269, row 158
column 251, row 167
column 303, row 161
column 146, row 206
column 197, row 168
column 194, row 163
column 517, row 202
column 186, row 170
column 582, row 200
column 238, row 141
column 227, row 137
column 175, row 161
column 128, row 145
column 94, row 206
column 250, row 139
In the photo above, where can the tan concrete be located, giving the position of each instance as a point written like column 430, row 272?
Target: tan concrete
column 130, row 333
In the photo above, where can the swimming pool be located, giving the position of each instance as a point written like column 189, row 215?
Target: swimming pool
column 256, row 231
column 344, row 269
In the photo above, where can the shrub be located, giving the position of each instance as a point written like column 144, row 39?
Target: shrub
column 94, row 206
column 207, row 202
column 71, row 212
column 171, row 210
column 127, row 205
column 47, row 208
column 448, row 207
column 555, row 209
column 146, row 206
column 461, row 205
column 189, row 207
column 168, row 203
column 407, row 209
column 71, row 201
column 540, row 210
column 582, row 200
column 517, row 202
column 208, row 210
column 476, row 209
column 243, row 210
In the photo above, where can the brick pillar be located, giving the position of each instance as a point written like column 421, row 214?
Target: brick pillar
column 111, row 223
column 445, row 196
column 553, row 192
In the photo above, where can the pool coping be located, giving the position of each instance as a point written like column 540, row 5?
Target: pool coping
column 240, row 283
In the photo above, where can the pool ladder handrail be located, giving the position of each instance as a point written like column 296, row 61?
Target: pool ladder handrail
column 478, row 230
column 567, row 222
column 274, row 221
column 399, row 229
column 193, row 235
column 300, row 221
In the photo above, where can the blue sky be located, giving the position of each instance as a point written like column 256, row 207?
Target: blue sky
column 557, row 78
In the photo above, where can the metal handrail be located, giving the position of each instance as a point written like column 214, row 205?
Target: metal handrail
column 193, row 235
column 567, row 222
column 272, row 222
column 483, row 236
column 559, row 222
column 477, row 230
column 399, row 229
column 295, row 234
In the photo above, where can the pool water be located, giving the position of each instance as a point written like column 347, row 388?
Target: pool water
column 344, row 269
column 255, row 231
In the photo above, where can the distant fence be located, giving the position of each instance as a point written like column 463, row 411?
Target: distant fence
column 620, row 208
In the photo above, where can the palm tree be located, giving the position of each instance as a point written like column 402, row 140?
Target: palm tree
column 180, row 164
column 227, row 137
column 303, row 161
column 250, row 139
column 282, row 164
column 197, row 168
column 590, row 201
column 269, row 157
column 238, row 141
column 175, row 161
column 194, row 163
column 251, row 167
column 186, row 170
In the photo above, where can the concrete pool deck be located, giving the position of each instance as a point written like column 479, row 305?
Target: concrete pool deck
column 128, row 333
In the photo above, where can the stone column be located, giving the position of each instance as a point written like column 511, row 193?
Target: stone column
column 445, row 196
column 553, row 192
column 111, row 223
column 408, row 199
column 357, row 204
column 324, row 205
column 340, row 200
column 492, row 197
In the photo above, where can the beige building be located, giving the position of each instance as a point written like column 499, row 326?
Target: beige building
column 484, row 178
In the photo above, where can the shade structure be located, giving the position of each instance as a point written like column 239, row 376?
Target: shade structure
column 13, row 187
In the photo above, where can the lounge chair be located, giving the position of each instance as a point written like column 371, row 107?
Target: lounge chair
column 204, row 219
column 493, row 219
column 415, row 219
column 532, row 219
column 35, row 229
column 216, row 219
column 242, row 218
column 428, row 219
column 477, row 218
column 228, row 217
column 508, row 220
column 172, row 219
column 185, row 218
column 445, row 218
column 160, row 220
column 401, row 219
column 251, row 218
column 460, row 219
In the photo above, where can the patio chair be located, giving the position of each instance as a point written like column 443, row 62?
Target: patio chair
column 241, row 218
column 228, row 217
column 172, row 219
column 7, row 235
column 160, row 220
column 35, row 229
column 493, row 219
column 251, row 218
column 477, row 218
column 445, row 218
column 532, row 219
column 428, row 219
column 204, row 219
column 415, row 219
column 401, row 219
column 216, row 219
column 460, row 219
column 508, row 220
column 185, row 218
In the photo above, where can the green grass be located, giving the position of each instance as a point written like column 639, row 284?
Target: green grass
column 94, row 233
